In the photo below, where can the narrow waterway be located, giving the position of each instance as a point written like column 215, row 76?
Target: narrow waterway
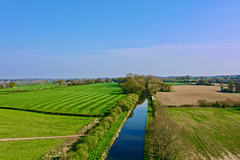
column 130, row 143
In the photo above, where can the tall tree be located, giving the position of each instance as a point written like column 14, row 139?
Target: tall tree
column 12, row 84
column 108, row 80
column 237, row 86
column 99, row 80
column 2, row 86
column 60, row 81
column 231, row 86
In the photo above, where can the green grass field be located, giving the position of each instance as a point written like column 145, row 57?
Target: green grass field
column 22, row 124
column 214, row 132
column 19, row 124
column 90, row 100
column 28, row 149
column 105, row 142
column 95, row 99
column 29, row 87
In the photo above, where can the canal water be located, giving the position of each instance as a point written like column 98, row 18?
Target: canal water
column 130, row 143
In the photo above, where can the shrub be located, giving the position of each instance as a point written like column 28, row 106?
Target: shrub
column 129, row 102
column 12, row 84
column 236, row 104
column 100, row 131
column 113, row 115
column 82, row 146
column 82, row 154
column 2, row 86
column 119, row 109
column 19, row 89
column 202, row 103
column 108, row 120
column 92, row 141
column 105, row 125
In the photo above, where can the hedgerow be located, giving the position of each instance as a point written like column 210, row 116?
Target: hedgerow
column 87, row 144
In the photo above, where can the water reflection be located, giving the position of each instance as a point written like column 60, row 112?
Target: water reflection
column 130, row 143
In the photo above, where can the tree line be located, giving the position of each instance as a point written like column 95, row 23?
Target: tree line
column 143, row 85
column 165, row 139
column 84, row 81
column 8, row 85
column 13, row 84
column 201, row 80
column 232, row 87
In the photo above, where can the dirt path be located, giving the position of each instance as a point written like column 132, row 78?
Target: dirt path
column 32, row 138
column 61, row 151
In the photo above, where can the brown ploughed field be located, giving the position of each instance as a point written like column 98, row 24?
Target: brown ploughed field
column 190, row 94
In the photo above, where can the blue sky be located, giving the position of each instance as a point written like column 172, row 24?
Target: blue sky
column 77, row 39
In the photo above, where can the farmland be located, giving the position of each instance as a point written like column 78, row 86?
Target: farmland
column 30, row 87
column 95, row 99
column 214, row 132
column 90, row 99
column 28, row 149
column 176, row 84
column 19, row 124
column 190, row 94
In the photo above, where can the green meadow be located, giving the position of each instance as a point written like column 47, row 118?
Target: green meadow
column 95, row 99
column 21, row 124
column 30, row 87
column 28, row 149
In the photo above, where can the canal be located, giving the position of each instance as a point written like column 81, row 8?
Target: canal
column 130, row 143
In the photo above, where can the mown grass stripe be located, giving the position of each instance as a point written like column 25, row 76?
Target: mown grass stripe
column 89, row 99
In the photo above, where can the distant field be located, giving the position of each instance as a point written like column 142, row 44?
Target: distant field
column 19, row 124
column 30, row 149
column 213, row 132
column 92, row 99
column 29, row 87
column 176, row 84
column 190, row 94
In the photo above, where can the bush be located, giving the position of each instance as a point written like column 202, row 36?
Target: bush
column 108, row 120
column 92, row 141
column 105, row 125
column 129, row 102
column 119, row 109
column 202, row 103
column 2, row 86
column 100, row 131
column 12, row 84
column 82, row 146
column 113, row 115
column 19, row 89
column 82, row 154
column 236, row 104
column 219, row 104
